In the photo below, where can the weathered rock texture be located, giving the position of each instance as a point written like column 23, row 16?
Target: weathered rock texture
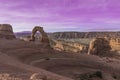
column 6, row 31
column 69, row 46
column 99, row 46
column 38, row 76
column 115, row 44
column 44, row 37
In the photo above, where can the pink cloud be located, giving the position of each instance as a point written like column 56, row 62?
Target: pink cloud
column 77, row 15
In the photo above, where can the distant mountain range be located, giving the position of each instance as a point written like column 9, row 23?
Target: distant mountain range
column 74, row 35
column 23, row 33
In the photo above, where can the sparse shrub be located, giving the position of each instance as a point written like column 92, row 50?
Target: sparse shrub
column 89, row 76
column 114, row 76
column 98, row 74
column 47, row 59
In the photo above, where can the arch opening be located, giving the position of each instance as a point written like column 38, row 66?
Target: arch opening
column 38, row 36
column 43, row 35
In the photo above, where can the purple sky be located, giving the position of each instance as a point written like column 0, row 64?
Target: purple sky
column 61, row 15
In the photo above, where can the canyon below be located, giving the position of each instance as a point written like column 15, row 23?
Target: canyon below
column 59, row 55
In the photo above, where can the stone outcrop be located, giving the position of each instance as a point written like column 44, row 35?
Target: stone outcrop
column 44, row 37
column 99, row 46
column 69, row 46
column 115, row 44
column 38, row 76
column 6, row 31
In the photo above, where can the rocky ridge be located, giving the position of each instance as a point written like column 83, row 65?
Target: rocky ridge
column 76, row 35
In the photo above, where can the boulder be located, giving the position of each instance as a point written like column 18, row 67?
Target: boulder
column 6, row 31
column 38, row 76
column 99, row 46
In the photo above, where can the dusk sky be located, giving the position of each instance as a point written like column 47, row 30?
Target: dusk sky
column 61, row 15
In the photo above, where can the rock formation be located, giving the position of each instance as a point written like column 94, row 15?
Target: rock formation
column 6, row 31
column 99, row 46
column 38, row 76
column 115, row 44
column 44, row 37
column 69, row 46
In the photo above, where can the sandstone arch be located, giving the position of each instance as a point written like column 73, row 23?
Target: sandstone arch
column 44, row 37
column 6, row 31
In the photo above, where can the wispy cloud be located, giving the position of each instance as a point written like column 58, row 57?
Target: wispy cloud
column 61, row 15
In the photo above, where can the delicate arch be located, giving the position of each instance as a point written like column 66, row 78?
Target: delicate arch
column 44, row 37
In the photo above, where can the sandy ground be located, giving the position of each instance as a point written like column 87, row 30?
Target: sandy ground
column 17, row 57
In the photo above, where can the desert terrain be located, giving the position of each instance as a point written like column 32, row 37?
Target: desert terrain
column 39, row 60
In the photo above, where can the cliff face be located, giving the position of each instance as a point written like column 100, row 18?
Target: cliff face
column 75, row 35
column 69, row 46
column 115, row 44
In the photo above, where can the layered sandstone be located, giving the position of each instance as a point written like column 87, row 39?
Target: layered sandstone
column 115, row 44
column 6, row 31
column 69, row 46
